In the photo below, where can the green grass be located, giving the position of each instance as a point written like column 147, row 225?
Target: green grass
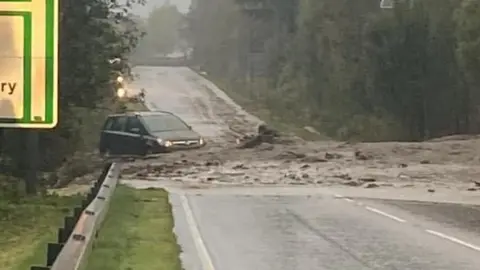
column 26, row 226
column 137, row 233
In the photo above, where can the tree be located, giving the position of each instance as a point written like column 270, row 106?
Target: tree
column 350, row 68
column 163, row 25
column 467, row 20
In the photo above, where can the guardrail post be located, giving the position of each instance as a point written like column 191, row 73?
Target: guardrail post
column 53, row 249
column 62, row 236
column 77, row 212
column 84, row 203
column 69, row 225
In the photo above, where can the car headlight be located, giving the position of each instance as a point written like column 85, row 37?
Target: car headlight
column 164, row 143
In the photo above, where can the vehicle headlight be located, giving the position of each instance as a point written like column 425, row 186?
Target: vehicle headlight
column 121, row 92
column 164, row 143
column 201, row 141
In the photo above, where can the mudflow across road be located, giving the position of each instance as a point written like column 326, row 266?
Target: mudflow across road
column 308, row 205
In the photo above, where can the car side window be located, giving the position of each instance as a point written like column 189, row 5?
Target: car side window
column 119, row 124
column 134, row 125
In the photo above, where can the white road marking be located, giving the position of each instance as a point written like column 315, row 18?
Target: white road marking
column 385, row 214
column 207, row 263
column 453, row 239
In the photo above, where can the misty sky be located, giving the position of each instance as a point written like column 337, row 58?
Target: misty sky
column 182, row 5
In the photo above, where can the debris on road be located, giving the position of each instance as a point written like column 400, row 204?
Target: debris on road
column 264, row 134
column 268, row 157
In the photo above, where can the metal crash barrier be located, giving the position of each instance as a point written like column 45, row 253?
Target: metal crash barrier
column 76, row 237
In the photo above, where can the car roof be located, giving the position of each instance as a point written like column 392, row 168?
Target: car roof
column 141, row 113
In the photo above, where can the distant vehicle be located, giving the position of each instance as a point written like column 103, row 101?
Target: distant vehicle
column 146, row 133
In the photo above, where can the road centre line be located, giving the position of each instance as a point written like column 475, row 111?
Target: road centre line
column 453, row 239
column 385, row 214
column 371, row 209
column 432, row 232
column 203, row 254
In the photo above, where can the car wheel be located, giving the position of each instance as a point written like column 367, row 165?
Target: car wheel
column 148, row 151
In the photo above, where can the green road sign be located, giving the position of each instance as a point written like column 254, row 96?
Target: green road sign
column 28, row 63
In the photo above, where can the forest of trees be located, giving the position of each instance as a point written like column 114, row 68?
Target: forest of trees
column 162, row 33
column 91, row 33
column 347, row 67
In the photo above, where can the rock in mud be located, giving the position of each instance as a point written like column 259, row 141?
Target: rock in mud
column 333, row 156
column 367, row 179
column 371, row 185
column 361, row 156
column 143, row 173
column 312, row 159
column 264, row 134
column 240, row 167
column 290, row 155
column 305, row 166
column 344, row 176
column 352, row 183
column 209, row 163
column 291, row 176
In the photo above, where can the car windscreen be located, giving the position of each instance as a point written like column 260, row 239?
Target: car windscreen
column 159, row 123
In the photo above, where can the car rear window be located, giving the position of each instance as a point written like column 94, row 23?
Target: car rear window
column 158, row 123
column 108, row 124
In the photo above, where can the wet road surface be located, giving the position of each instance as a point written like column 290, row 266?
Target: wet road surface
column 288, row 228
column 316, row 232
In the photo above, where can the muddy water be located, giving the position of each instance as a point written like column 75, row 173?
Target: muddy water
column 448, row 163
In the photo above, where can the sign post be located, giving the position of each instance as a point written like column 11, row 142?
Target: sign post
column 29, row 72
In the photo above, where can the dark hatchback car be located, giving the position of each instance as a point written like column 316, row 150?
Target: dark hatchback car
column 146, row 133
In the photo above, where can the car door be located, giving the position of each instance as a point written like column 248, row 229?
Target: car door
column 134, row 137
column 117, row 136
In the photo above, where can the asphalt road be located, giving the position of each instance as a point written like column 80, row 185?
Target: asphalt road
column 288, row 228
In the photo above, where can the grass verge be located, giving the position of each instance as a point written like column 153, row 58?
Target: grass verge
column 26, row 226
column 137, row 233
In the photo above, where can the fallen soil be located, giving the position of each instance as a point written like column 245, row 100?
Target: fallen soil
column 450, row 162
